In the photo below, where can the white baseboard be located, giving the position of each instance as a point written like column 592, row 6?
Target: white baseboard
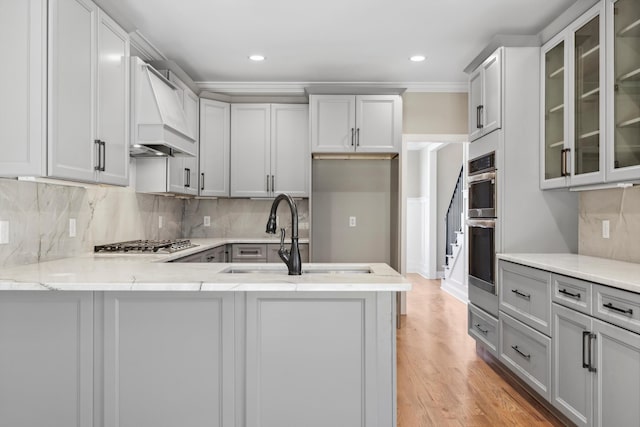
column 455, row 289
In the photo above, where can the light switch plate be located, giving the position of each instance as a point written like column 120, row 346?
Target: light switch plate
column 207, row 221
column 352, row 221
column 605, row 229
column 4, row 232
column 160, row 221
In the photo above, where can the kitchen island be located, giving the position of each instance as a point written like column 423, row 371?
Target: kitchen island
column 133, row 340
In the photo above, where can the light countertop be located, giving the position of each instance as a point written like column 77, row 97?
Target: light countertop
column 617, row 274
column 153, row 272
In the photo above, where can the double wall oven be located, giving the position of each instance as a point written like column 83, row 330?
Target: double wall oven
column 481, row 222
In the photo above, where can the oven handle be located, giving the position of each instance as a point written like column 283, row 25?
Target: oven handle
column 481, row 177
column 481, row 223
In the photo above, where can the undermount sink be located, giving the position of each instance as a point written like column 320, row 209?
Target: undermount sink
column 267, row 269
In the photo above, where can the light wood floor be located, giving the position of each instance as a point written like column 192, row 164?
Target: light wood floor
column 441, row 380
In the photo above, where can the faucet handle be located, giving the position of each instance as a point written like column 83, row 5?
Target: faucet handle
column 282, row 235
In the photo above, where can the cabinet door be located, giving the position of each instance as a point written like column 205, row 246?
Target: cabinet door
column 182, row 179
column 333, row 123
column 72, row 58
column 587, row 111
column 475, row 100
column 169, row 359
column 190, row 104
column 23, row 38
column 215, row 123
column 46, row 358
column 378, row 123
column 250, row 150
column 623, row 57
column 618, row 376
column 113, row 101
column 290, row 159
column 554, row 155
column 572, row 391
column 492, row 93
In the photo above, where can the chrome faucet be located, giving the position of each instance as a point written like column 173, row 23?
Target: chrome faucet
column 290, row 257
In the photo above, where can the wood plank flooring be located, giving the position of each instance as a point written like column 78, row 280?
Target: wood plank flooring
column 441, row 379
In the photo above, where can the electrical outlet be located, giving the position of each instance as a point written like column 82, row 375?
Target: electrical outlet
column 72, row 227
column 207, row 221
column 160, row 221
column 605, row 229
column 4, row 232
column 352, row 221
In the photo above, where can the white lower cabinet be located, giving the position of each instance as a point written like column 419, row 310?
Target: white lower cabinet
column 596, row 369
column 46, row 358
column 169, row 359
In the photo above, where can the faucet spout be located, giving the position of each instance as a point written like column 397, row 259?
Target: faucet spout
column 290, row 257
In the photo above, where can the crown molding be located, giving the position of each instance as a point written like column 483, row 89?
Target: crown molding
column 298, row 88
column 145, row 47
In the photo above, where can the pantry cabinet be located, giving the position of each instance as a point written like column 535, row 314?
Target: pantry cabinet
column 485, row 97
column 269, row 150
column 356, row 123
column 573, row 104
column 88, row 95
column 215, row 140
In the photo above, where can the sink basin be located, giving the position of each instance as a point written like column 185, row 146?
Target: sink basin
column 310, row 270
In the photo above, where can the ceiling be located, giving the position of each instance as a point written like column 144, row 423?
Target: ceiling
column 329, row 40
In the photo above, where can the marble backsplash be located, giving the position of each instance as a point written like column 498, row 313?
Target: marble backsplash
column 621, row 207
column 39, row 214
column 239, row 217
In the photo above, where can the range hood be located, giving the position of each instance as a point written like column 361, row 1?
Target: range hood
column 159, row 125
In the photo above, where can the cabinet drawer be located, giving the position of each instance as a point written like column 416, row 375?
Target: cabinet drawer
column 616, row 306
column 570, row 292
column 484, row 328
column 249, row 253
column 525, row 293
column 527, row 353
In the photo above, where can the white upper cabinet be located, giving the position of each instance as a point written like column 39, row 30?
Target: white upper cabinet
column 269, row 150
column 74, row 152
column 573, row 107
column 623, row 100
column 485, row 97
column 88, row 94
column 215, row 124
column 23, row 38
column 113, row 101
column 361, row 123
column 290, row 157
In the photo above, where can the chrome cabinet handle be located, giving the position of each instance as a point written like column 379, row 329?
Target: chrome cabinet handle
column 569, row 294
column 479, row 110
column 585, row 334
column 526, row 356
column 520, row 294
column 478, row 327
column 564, row 158
column 591, row 367
column 610, row 306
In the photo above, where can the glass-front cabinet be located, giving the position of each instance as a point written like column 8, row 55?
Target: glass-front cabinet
column 554, row 113
column 573, row 105
column 623, row 156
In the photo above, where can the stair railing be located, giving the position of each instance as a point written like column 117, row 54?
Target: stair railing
column 453, row 219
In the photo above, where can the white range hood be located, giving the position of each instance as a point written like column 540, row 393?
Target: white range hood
column 159, row 125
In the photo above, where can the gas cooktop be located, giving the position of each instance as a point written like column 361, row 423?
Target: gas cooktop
column 145, row 246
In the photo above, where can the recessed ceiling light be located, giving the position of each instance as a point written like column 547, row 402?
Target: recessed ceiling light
column 256, row 58
column 418, row 58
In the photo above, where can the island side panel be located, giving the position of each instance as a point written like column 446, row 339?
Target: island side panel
column 315, row 359
column 46, row 358
column 169, row 359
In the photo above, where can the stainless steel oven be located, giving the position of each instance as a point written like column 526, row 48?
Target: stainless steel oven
column 482, row 187
column 482, row 254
